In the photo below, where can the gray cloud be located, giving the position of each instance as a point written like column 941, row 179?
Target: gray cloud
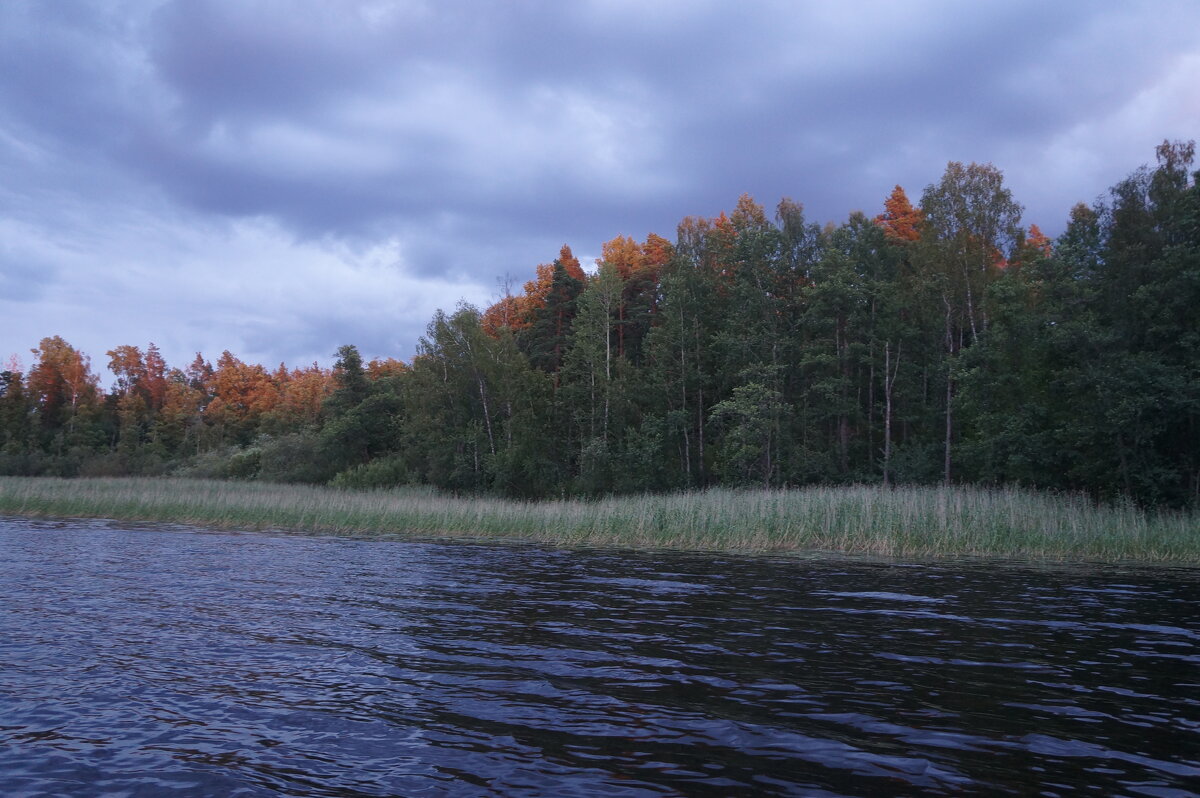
column 471, row 140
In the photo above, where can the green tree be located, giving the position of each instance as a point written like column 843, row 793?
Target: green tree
column 971, row 224
column 749, row 420
column 545, row 341
column 362, row 419
column 16, row 428
column 477, row 415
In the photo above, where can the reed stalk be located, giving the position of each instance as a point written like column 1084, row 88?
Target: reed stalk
column 911, row 522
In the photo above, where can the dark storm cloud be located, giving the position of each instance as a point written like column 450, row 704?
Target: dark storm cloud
column 474, row 139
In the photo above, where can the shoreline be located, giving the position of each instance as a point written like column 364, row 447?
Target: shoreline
column 907, row 522
column 797, row 555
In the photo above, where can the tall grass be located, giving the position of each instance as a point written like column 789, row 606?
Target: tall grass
column 905, row 522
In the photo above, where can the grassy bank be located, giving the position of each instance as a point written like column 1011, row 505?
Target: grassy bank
column 907, row 522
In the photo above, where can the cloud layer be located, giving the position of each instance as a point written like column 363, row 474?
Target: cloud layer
column 278, row 178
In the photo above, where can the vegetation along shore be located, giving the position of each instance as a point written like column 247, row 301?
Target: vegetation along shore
column 902, row 522
column 938, row 342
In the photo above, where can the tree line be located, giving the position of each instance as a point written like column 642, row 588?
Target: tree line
column 936, row 342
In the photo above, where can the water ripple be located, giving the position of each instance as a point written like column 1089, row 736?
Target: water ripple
column 138, row 660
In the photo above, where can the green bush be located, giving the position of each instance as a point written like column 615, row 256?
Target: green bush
column 386, row 472
column 295, row 457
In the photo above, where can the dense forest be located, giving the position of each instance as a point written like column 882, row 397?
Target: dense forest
column 937, row 342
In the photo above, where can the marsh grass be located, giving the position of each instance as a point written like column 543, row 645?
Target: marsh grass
column 905, row 522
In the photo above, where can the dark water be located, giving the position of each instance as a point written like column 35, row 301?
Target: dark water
column 142, row 661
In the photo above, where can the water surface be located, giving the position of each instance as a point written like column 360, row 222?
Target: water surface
column 137, row 660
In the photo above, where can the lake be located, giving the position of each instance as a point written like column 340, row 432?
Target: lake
column 140, row 660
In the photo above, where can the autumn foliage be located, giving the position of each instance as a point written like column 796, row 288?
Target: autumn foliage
column 900, row 221
column 1038, row 241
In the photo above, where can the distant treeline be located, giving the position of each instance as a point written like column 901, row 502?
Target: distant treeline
column 942, row 342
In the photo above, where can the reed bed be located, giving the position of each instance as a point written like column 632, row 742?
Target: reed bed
column 904, row 522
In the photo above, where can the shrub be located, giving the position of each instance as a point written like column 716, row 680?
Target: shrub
column 386, row 472
column 294, row 457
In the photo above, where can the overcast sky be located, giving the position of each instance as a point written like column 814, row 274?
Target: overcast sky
column 280, row 178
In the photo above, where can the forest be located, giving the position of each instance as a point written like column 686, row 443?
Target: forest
column 938, row 342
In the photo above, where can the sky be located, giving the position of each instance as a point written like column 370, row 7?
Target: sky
column 278, row 178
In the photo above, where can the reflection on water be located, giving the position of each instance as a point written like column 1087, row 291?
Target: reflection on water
column 141, row 660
